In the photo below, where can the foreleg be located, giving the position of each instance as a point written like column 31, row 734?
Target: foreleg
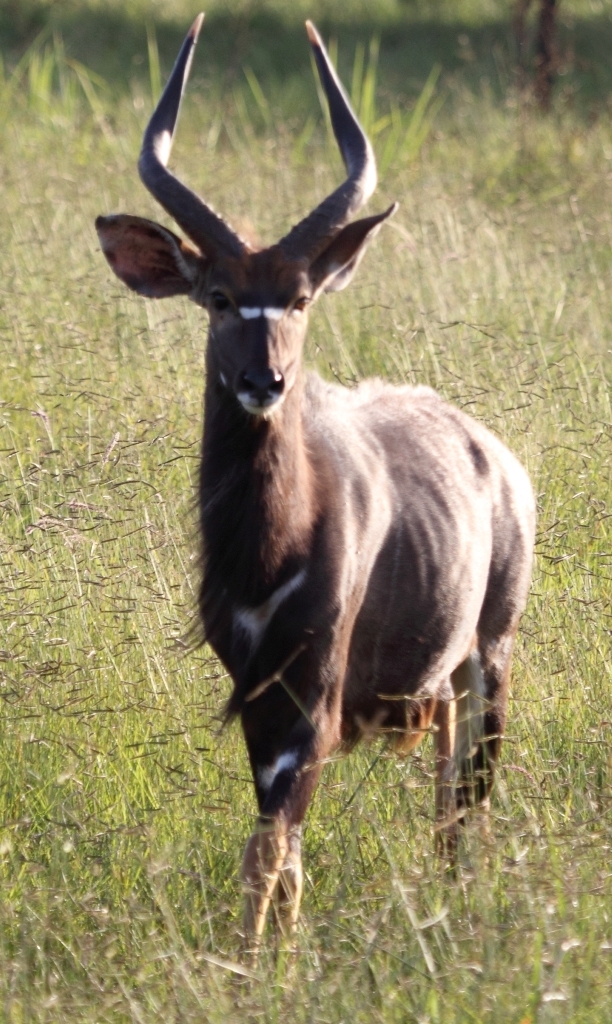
column 289, row 889
column 273, row 857
column 263, row 859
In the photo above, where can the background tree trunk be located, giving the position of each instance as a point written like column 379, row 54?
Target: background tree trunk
column 545, row 48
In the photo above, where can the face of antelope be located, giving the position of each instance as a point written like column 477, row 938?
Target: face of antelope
column 257, row 301
column 258, row 319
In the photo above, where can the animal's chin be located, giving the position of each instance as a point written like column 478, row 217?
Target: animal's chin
column 264, row 409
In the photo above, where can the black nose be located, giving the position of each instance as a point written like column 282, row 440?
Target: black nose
column 263, row 382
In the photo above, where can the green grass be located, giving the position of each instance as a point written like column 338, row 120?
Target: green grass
column 123, row 809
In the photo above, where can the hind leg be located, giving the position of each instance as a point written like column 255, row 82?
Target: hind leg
column 480, row 685
column 468, row 733
column 445, row 779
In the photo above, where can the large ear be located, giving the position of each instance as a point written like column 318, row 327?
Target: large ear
column 148, row 258
column 334, row 268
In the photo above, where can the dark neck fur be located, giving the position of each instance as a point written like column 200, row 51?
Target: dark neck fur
column 256, row 499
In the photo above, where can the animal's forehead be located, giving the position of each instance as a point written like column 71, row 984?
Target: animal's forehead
column 264, row 275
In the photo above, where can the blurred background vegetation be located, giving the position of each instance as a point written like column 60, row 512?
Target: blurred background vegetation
column 108, row 37
column 253, row 62
column 472, row 39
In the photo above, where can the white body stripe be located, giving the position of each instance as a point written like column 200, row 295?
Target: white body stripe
column 254, row 621
column 266, row 776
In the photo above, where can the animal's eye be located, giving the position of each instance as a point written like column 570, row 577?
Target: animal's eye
column 300, row 304
column 219, row 301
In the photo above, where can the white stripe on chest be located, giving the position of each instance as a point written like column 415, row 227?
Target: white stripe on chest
column 254, row 621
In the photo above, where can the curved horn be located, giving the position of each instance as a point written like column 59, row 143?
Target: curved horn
column 202, row 224
column 308, row 237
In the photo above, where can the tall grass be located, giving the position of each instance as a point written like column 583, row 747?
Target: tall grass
column 48, row 83
column 123, row 808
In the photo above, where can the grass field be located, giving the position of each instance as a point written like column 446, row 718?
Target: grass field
column 123, row 808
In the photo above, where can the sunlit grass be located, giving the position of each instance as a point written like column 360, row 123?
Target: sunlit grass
column 123, row 808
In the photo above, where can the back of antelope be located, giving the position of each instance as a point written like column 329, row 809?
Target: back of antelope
column 367, row 552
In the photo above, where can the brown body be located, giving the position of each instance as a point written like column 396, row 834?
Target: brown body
column 367, row 552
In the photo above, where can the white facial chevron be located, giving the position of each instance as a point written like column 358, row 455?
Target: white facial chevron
column 252, row 312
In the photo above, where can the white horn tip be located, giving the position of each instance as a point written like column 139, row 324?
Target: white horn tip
column 194, row 31
column 313, row 35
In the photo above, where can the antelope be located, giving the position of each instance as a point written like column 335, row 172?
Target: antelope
column 367, row 551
